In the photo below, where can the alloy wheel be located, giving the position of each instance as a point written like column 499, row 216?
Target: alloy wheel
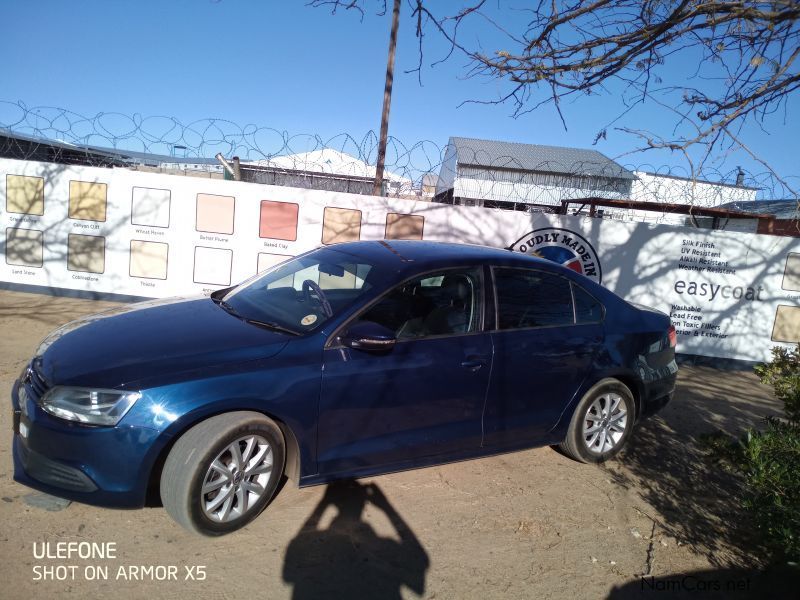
column 604, row 423
column 236, row 479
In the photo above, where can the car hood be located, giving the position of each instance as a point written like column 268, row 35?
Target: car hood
column 151, row 339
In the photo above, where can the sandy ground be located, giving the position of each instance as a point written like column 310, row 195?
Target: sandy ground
column 531, row 524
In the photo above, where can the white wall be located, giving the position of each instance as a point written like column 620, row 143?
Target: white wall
column 732, row 287
column 506, row 191
column 676, row 190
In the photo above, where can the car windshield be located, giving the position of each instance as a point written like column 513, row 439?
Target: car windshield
column 301, row 294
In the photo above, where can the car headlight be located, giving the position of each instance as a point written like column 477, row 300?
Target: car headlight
column 89, row 406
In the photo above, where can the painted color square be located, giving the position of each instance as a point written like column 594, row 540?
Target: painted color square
column 404, row 227
column 150, row 207
column 278, row 220
column 341, row 225
column 212, row 265
column 24, row 247
column 215, row 213
column 266, row 260
column 25, row 194
column 791, row 273
column 787, row 324
column 86, row 253
column 88, row 200
column 149, row 259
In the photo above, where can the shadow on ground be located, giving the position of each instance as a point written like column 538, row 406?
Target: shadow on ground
column 694, row 498
column 347, row 558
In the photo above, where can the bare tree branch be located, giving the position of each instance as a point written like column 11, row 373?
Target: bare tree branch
column 740, row 57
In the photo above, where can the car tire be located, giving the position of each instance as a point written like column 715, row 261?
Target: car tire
column 601, row 423
column 207, row 487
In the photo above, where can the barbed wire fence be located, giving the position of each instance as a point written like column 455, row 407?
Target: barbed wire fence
column 347, row 163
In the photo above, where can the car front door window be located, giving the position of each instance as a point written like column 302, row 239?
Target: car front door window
column 445, row 303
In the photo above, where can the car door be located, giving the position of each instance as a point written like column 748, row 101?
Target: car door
column 424, row 397
column 544, row 350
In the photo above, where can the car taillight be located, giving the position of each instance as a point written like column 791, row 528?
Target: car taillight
column 673, row 337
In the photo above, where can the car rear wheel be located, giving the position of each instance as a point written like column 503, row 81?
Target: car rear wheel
column 223, row 472
column 601, row 424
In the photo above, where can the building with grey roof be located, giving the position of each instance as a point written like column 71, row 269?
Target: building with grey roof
column 528, row 177
column 25, row 147
column 780, row 209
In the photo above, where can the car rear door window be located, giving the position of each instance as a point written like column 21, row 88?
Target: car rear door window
column 529, row 298
column 587, row 308
column 444, row 303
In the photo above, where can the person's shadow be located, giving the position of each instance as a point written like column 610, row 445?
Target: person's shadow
column 348, row 559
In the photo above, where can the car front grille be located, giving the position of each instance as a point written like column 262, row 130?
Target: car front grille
column 36, row 381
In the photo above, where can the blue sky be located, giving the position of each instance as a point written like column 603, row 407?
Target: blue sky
column 284, row 65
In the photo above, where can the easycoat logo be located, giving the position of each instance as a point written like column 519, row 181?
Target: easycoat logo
column 564, row 247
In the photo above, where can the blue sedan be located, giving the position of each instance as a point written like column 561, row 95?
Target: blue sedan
column 350, row 360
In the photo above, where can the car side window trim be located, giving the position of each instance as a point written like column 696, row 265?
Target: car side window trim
column 496, row 325
column 481, row 328
column 602, row 318
column 574, row 304
column 495, row 302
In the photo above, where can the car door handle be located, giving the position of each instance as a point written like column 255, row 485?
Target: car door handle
column 473, row 364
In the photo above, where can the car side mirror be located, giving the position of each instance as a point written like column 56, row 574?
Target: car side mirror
column 368, row 336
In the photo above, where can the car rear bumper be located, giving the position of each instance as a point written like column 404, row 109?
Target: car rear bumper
column 659, row 390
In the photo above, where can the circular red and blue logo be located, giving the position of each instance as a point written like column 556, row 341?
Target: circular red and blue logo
column 564, row 247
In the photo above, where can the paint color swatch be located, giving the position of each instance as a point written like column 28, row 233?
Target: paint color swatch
column 150, row 207
column 25, row 194
column 212, row 265
column 215, row 213
column 88, row 200
column 266, row 260
column 24, row 247
column 404, row 227
column 787, row 324
column 341, row 225
column 791, row 273
column 149, row 259
column 86, row 253
column 278, row 220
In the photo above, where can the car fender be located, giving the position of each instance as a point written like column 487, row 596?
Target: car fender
column 627, row 377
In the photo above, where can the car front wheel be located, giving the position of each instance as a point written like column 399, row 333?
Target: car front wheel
column 601, row 424
column 223, row 472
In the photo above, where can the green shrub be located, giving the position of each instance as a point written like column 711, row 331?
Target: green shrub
column 770, row 461
column 783, row 374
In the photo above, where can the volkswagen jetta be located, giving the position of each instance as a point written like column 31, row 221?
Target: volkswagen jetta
column 350, row 360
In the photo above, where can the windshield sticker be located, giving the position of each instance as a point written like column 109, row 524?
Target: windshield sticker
column 308, row 320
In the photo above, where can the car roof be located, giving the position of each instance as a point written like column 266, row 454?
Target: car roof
column 405, row 255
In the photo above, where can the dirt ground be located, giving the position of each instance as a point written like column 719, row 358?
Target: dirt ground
column 531, row 524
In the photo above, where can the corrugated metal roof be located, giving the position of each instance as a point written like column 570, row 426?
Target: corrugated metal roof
column 535, row 157
column 780, row 209
column 88, row 154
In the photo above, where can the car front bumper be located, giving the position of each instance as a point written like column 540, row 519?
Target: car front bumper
column 104, row 466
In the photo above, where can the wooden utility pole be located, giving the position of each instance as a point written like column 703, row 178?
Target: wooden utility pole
column 387, row 102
